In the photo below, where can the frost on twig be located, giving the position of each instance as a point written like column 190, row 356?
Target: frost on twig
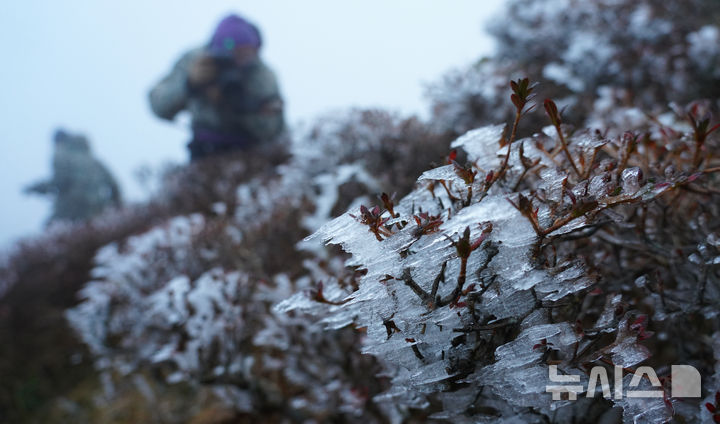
column 489, row 272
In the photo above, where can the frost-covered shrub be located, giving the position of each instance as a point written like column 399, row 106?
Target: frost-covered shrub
column 215, row 329
column 641, row 54
column 39, row 277
column 393, row 150
column 657, row 51
column 464, row 97
column 192, row 298
column 565, row 248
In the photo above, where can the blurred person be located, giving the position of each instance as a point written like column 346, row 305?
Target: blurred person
column 233, row 98
column 81, row 186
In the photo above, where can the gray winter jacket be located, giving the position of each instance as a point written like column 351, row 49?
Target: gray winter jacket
column 250, row 104
column 81, row 186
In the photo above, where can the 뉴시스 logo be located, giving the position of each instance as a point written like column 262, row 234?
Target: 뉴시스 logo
column 684, row 383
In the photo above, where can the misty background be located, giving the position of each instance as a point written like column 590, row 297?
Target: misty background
column 87, row 66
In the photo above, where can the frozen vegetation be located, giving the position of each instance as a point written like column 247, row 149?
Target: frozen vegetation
column 534, row 230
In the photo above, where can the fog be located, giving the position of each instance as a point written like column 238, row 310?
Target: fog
column 87, row 66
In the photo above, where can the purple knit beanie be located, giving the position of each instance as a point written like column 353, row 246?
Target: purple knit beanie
column 233, row 31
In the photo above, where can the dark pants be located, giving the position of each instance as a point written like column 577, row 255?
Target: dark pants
column 200, row 150
column 209, row 143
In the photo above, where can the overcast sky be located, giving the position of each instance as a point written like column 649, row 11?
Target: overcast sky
column 86, row 65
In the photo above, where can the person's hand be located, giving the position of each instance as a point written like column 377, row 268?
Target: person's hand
column 202, row 71
column 272, row 107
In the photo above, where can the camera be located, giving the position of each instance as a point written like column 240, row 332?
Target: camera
column 232, row 80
